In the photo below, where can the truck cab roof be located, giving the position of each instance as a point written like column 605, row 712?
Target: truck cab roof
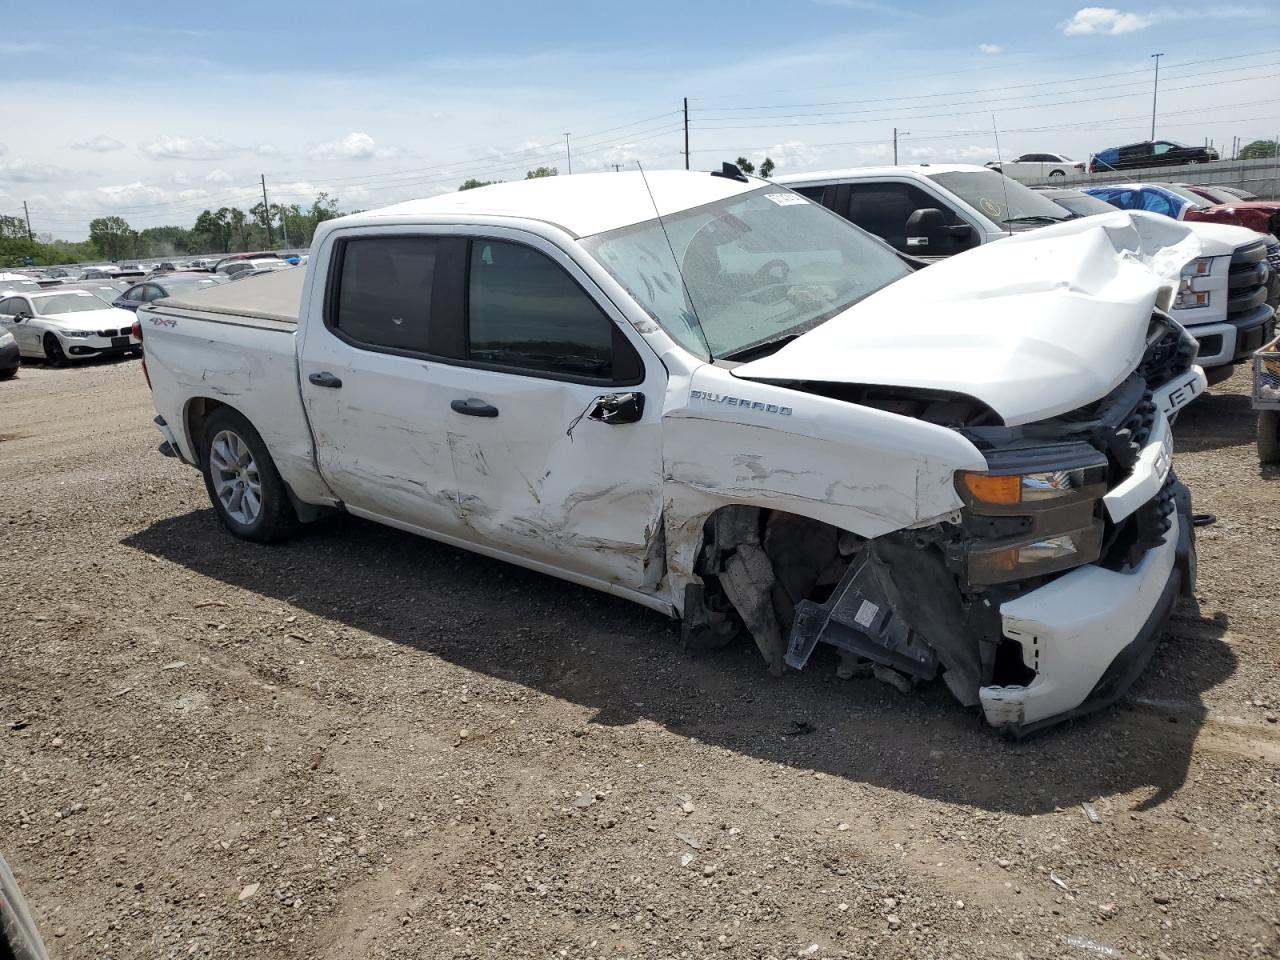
column 583, row 204
column 884, row 170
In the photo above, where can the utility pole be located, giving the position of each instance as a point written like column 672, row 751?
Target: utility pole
column 266, row 211
column 567, row 155
column 1155, row 90
column 27, row 213
column 686, row 133
column 898, row 133
column 617, row 167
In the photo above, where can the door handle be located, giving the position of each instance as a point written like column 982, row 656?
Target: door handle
column 325, row 379
column 473, row 407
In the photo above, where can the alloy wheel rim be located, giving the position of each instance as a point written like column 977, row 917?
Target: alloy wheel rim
column 236, row 481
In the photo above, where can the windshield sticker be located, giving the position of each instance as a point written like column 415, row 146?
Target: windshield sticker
column 990, row 206
column 785, row 199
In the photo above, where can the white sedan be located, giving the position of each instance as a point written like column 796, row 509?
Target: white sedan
column 59, row 326
column 1037, row 166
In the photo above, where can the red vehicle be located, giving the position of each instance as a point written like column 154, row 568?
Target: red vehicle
column 1260, row 215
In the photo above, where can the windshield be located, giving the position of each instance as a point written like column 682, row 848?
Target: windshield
column 757, row 268
column 66, row 303
column 1217, row 195
column 1191, row 196
column 19, row 285
column 1083, row 205
column 1006, row 202
column 186, row 283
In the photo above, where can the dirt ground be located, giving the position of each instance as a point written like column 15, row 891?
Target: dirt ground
column 364, row 744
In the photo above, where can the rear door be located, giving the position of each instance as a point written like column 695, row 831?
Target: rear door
column 555, row 426
column 375, row 391
column 26, row 336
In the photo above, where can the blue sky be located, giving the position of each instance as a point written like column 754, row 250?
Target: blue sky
column 157, row 114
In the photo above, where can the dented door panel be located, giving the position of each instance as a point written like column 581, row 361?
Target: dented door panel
column 545, row 480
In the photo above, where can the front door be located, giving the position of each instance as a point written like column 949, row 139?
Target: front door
column 547, row 468
column 27, row 338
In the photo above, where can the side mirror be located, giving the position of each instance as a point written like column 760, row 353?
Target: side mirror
column 929, row 233
column 926, row 231
column 20, row 316
column 618, row 408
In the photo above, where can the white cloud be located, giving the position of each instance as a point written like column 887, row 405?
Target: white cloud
column 789, row 156
column 990, row 47
column 165, row 147
column 24, row 171
column 217, row 176
column 3, row 149
column 1106, row 20
column 99, row 144
column 354, row 146
column 267, row 150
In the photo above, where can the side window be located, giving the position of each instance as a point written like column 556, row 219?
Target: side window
column 1161, row 147
column 152, row 292
column 526, row 313
column 883, row 209
column 384, row 291
column 9, row 306
column 134, row 293
column 813, row 193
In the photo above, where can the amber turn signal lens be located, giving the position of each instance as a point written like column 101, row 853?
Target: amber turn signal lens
column 988, row 489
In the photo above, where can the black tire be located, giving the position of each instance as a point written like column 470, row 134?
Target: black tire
column 1057, row 173
column 276, row 518
column 53, row 351
column 8, row 374
column 1269, row 436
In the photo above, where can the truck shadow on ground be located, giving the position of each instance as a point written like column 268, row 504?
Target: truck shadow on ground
column 624, row 663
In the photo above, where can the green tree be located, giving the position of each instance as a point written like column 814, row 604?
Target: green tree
column 1258, row 150
column 542, row 172
column 766, row 168
column 472, row 183
column 113, row 237
column 213, row 231
column 13, row 228
column 239, row 229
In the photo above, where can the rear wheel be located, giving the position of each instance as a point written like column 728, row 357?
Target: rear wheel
column 8, row 374
column 53, row 351
column 244, row 486
column 1056, row 173
column 1269, row 436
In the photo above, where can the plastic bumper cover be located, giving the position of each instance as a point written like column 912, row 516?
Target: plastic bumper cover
column 9, row 356
column 1090, row 633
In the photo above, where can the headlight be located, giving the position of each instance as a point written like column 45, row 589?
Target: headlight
column 1033, row 512
column 1199, row 267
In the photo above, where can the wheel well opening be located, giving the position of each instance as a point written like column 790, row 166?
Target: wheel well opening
column 198, row 412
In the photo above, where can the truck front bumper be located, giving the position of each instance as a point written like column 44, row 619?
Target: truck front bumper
column 1088, row 634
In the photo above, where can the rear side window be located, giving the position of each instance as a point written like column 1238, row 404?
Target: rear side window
column 884, row 208
column 384, row 292
column 526, row 313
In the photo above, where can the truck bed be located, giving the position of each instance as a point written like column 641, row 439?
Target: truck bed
column 272, row 297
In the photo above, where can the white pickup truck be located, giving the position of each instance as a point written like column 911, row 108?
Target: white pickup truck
column 708, row 395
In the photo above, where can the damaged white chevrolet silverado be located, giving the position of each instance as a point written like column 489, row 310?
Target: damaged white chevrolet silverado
column 706, row 394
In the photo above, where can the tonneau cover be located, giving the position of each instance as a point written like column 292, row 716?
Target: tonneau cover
column 268, row 296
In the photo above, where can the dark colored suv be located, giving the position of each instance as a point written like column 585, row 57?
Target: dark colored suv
column 1149, row 153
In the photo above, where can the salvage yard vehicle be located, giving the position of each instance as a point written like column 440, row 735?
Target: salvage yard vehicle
column 710, row 396
column 60, row 325
column 1150, row 153
column 9, row 355
column 164, row 285
column 1037, row 166
column 932, row 211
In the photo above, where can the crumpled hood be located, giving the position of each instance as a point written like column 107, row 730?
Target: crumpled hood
column 1033, row 326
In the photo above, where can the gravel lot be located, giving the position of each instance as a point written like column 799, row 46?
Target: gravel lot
column 363, row 744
